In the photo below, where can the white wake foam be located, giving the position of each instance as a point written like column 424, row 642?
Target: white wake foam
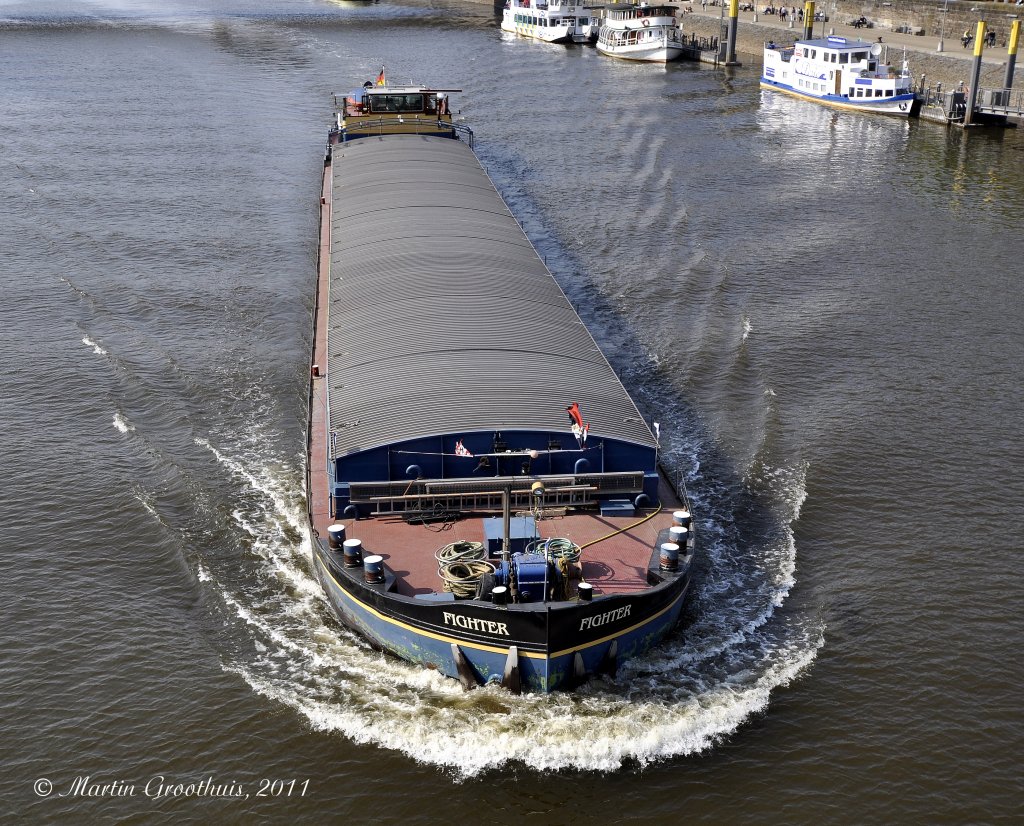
column 695, row 689
column 121, row 424
column 88, row 342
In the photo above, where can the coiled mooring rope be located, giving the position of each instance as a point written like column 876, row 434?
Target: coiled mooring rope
column 463, row 578
column 461, row 566
column 556, row 549
column 460, row 550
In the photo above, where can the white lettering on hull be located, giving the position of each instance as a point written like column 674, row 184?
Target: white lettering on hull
column 475, row 624
column 603, row 619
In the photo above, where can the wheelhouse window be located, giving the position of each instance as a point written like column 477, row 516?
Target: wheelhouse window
column 396, row 103
column 844, row 58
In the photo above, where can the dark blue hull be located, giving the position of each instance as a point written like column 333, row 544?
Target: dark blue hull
column 557, row 644
column 899, row 105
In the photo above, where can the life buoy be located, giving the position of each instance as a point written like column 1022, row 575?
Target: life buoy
column 646, row 22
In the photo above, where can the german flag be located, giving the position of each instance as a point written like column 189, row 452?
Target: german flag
column 380, row 78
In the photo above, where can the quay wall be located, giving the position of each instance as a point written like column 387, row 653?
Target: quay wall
column 925, row 17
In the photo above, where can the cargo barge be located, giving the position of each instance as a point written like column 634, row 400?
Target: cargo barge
column 484, row 496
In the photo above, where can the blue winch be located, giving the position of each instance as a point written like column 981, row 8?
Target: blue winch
column 534, row 576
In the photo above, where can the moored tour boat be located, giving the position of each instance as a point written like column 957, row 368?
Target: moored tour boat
column 484, row 496
column 839, row 72
column 640, row 32
column 553, row 21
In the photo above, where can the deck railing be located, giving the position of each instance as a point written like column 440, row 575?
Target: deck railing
column 953, row 102
column 1001, row 101
column 410, row 124
column 428, row 495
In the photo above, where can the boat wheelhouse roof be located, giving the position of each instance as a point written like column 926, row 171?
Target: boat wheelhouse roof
column 838, row 43
column 443, row 318
column 363, row 91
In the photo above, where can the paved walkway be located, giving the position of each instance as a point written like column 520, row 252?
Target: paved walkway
column 952, row 47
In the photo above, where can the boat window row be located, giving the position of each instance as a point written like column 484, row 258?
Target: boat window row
column 811, row 86
column 855, row 91
column 836, row 57
column 618, row 37
column 643, row 11
column 861, row 92
column 526, row 20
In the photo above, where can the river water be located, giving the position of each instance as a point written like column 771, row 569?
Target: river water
column 821, row 309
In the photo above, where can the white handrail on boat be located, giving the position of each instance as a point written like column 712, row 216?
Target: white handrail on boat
column 378, row 125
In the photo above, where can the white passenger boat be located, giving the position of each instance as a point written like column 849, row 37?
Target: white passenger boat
column 839, row 72
column 640, row 32
column 553, row 21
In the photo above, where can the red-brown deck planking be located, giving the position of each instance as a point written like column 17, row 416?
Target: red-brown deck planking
column 616, row 564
